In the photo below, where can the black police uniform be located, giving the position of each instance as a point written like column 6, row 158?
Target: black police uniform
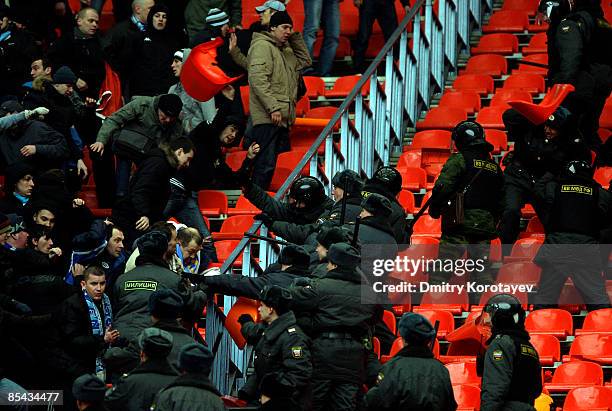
column 577, row 207
column 412, row 380
column 533, row 156
column 283, row 349
column 342, row 324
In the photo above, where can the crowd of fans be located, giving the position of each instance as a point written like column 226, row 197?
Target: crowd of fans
column 86, row 302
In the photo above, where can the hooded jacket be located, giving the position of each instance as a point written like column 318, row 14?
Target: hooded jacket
column 142, row 114
column 274, row 76
column 197, row 10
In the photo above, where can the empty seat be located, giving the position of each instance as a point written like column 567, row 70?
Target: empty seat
column 548, row 348
column 436, row 139
column 508, row 21
column 302, row 106
column 537, row 44
column 534, row 58
column 445, row 118
column 498, row 139
column 413, row 178
column 445, row 318
column 531, row 82
column 525, row 248
column 489, row 64
column 598, row 321
column 212, row 202
column 528, row 6
column 588, row 399
column 497, row 43
column 343, row 86
column 604, row 134
column 575, row 374
column 491, row 117
column 224, row 249
column 534, row 226
column 520, row 272
column 591, row 347
column 463, row 373
column 390, row 321
column 465, row 99
column 243, row 206
column 428, row 226
column 406, row 200
column 605, row 120
column 315, row 86
column 480, row 83
column 234, row 227
column 551, row 321
column 467, row 397
column 502, row 96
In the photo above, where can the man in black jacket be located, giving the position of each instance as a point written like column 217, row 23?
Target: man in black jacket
column 192, row 390
column 282, row 349
column 137, row 390
column 149, row 188
column 293, row 260
column 343, row 329
column 510, row 369
column 413, row 378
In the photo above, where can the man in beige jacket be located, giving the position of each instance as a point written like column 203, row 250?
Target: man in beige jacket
column 274, row 61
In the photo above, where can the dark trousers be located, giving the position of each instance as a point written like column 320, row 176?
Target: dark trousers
column 272, row 140
column 334, row 396
column 370, row 10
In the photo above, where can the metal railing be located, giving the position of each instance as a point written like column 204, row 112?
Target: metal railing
column 367, row 136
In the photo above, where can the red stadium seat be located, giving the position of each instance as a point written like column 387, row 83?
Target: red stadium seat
column 436, row 139
column 233, row 228
column 463, row 373
column 322, row 112
column 467, row 100
column 520, row 272
column 548, row 348
column 575, row 374
column 551, row 321
column 456, row 303
column 390, row 321
column 534, row 58
column 480, row 83
column 534, row 227
column 491, row 117
column 413, row 178
column 376, row 346
column 467, row 397
column 376, row 43
column 529, row 6
column 212, row 202
column 315, row 86
column 537, row 44
column 604, row 134
column 503, row 95
column 302, row 106
column 497, row 43
column 410, row 158
column 531, row 82
column 603, row 175
column 591, row 347
column 598, row 321
column 344, row 85
column 588, row 399
column 428, row 227
column 525, row 249
column 406, row 200
column 398, row 344
column 224, row 249
column 498, row 139
column 244, row 95
column 445, row 118
column 446, row 319
column 243, row 206
column 605, row 120
column 489, row 64
column 507, row 21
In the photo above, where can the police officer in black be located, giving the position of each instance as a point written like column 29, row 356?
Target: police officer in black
column 413, row 379
column 576, row 210
column 306, row 202
column 325, row 239
column 137, row 390
column 510, row 368
column 538, row 149
column 474, row 176
column 387, row 181
column 341, row 336
column 283, row 349
column 578, row 41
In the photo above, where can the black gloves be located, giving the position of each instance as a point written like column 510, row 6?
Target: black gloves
column 265, row 219
column 245, row 318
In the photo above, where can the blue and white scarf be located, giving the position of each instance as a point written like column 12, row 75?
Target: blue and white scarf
column 141, row 26
column 97, row 327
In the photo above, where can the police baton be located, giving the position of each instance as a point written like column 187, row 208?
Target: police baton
column 411, row 223
column 268, row 239
column 533, row 63
column 433, row 342
column 356, row 231
column 344, row 195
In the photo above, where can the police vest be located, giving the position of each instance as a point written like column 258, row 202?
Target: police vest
column 525, row 369
column 575, row 208
column 485, row 191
